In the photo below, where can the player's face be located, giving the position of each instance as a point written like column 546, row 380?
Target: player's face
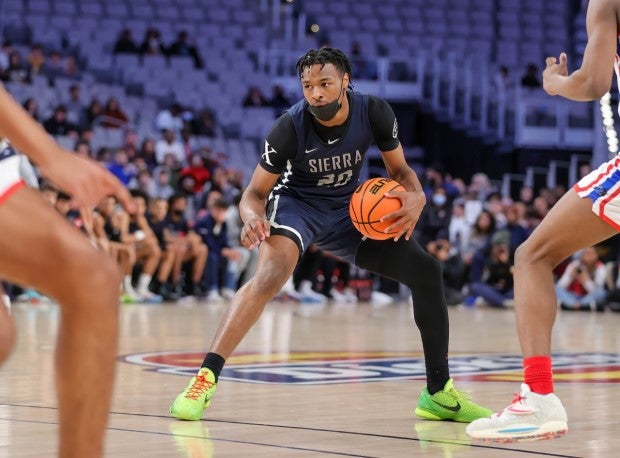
column 322, row 84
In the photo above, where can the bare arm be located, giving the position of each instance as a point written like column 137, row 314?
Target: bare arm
column 413, row 200
column 593, row 79
column 252, row 207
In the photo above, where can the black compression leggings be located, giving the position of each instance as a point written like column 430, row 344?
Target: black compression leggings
column 406, row 262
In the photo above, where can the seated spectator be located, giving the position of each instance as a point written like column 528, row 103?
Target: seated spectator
column 35, row 59
column 75, row 106
column 106, row 224
column 125, row 43
column 120, row 166
column 130, row 144
column 58, row 124
column 279, row 101
column 514, row 226
column 32, row 107
column 170, row 119
column 172, row 249
column 435, row 218
column 82, row 148
column 530, row 78
column 452, row 268
column 135, row 229
column 189, row 143
column 93, row 114
column 183, row 47
column 113, row 116
column 53, row 67
column 363, row 67
column 17, row 71
column 496, row 285
column 255, row 98
column 152, row 44
column 247, row 264
column 147, row 152
column 219, row 274
column 221, row 183
column 204, row 124
column 480, row 186
column 459, row 229
column 197, row 171
column 71, row 68
column 145, row 182
column 435, row 177
column 195, row 251
column 169, row 145
column 582, row 285
column 495, row 205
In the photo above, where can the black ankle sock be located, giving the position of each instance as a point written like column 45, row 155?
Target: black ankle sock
column 214, row 362
column 436, row 379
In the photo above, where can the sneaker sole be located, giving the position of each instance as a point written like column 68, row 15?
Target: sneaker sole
column 550, row 430
column 197, row 417
column 427, row 415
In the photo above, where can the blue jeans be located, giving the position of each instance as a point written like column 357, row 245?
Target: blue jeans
column 494, row 297
column 569, row 298
column 218, row 266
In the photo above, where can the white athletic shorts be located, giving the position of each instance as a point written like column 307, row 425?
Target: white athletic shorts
column 602, row 186
column 10, row 180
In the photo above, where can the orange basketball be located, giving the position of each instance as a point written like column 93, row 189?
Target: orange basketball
column 368, row 205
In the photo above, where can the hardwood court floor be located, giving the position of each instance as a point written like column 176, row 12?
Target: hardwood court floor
column 279, row 399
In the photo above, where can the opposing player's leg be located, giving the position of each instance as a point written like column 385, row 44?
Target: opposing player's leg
column 41, row 249
column 278, row 256
column 406, row 262
column 537, row 413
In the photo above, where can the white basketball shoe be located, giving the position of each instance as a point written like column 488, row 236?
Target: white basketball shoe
column 530, row 417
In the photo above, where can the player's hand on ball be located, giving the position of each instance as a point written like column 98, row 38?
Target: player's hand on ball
column 412, row 204
column 254, row 232
column 553, row 69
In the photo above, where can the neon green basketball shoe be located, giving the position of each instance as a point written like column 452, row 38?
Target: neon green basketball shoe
column 191, row 403
column 449, row 404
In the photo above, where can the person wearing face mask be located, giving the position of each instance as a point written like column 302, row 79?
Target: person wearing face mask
column 435, row 219
column 299, row 195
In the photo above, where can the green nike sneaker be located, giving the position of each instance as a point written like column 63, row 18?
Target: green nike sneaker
column 190, row 404
column 449, row 404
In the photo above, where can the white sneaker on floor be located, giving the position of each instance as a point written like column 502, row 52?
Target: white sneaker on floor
column 379, row 299
column 214, row 296
column 530, row 417
column 228, row 293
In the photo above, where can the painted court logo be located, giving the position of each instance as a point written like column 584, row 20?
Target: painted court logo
column 311, row 368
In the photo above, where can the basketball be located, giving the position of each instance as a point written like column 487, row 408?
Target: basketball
column 368, row 205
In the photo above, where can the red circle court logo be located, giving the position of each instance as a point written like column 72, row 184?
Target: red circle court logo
column 326, row 367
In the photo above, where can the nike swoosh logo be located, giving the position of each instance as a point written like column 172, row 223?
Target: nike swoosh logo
column 518, row 411
column 331, row 142
column 454, row 408
column 310, row 150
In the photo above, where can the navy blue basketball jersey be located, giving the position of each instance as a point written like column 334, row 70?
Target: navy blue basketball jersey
column 324, row 169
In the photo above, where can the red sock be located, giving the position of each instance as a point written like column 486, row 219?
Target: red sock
column 537, row 374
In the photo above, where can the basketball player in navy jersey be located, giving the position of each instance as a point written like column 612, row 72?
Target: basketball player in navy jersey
column 39, row 248
column 299, row 194
column 591, row 209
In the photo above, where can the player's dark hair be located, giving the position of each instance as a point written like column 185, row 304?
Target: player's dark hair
column 322, row 56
